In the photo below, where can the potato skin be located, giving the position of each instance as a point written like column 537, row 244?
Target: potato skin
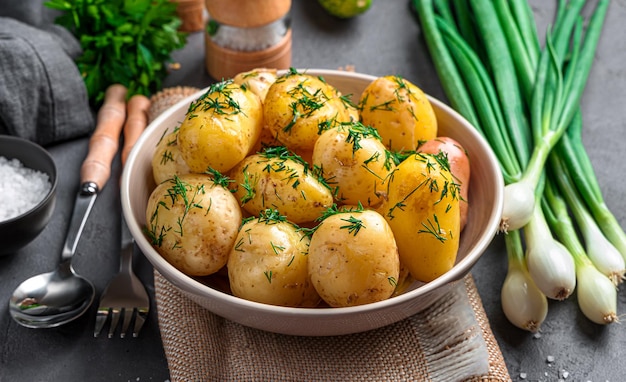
column 279, row 181
column 353, row 267
column 459, row 167
column 196, row 235
column 257, row 80
column 423, row 211
column 400, row 111
column 354, row 159
column 220, row 127
column 268, row 264
column 167, row 160
column 296, row 107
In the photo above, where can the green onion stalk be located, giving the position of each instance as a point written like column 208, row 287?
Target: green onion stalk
column 559, row 84
column 525, row 101
column 596, row 292
column 574, row 156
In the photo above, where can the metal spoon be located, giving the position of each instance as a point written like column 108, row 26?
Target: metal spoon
column 55, row 298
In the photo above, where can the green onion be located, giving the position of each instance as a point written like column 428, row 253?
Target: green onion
column 599, row 249
column 572, row 152
column 524, row 305
column 549, row 262
column 446, row 69
column 485, row 98
column 502, row 68
column 597, row 296
column 525, row 101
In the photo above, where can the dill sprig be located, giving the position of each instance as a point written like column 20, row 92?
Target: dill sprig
column 277, row 161
column 218, row 178
column 354, row 225
column 358, row 131
column 334, row 210
column 433, row 162
column 218, row 99
column 433, row 227
column 271, row 216
column 305, row 103
column 179, row 190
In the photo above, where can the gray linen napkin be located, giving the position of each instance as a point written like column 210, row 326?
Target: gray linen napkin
column 42, row 95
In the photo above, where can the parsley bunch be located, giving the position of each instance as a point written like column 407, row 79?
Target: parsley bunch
column 123, row 41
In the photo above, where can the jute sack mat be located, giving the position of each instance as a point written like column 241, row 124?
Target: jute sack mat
column 449, row 341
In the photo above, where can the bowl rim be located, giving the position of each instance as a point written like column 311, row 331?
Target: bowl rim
column 53, row 176
column 188, row 283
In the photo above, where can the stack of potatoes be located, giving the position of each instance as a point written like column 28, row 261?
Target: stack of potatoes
column 304, row 197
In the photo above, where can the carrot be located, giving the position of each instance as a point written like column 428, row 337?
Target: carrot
column 136, row 122
column 104, row 141
column 459, row 167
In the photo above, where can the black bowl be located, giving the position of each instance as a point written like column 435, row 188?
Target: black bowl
column 18, row 231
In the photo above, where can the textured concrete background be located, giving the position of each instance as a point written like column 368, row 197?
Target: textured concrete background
column 385, row 40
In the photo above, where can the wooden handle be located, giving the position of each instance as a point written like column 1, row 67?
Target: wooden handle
column 136, row 122
column 104, row 141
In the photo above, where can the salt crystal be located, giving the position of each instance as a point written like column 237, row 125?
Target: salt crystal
column 21, row 188
column 522, row 375
column 550, row 359
column 564, row 374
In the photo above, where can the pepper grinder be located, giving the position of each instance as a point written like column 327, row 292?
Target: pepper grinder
column 243, row 35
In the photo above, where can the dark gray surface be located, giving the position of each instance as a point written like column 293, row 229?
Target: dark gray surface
column 385, row 40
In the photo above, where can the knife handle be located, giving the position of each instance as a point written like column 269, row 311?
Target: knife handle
column 104, row 141
column 136, row 122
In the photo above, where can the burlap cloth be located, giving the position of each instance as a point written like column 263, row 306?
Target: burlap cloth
column 201, row 346
column 449, row 341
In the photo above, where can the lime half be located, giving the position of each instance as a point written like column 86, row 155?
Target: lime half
column 345, row 8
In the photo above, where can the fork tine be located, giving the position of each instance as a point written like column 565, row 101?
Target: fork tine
column 140, row 319
column 115, row 318
column 126, row 318
column 124, row 296
column 101, row 319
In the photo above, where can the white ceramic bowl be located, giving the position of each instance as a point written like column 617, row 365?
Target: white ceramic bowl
column 486, row 200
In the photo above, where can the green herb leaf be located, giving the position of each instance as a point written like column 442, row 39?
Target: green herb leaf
column 123, row 41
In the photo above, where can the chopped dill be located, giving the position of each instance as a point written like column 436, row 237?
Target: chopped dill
column 432, row 227
column 354, row 225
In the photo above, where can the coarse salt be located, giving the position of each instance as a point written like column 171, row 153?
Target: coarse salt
column 250, row 39
column 21, row 188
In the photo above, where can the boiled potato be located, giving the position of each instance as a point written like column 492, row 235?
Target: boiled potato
column 298, row 105
column 257, row 80
column 167, row 160
column 423, row 211
column 268, row 263
column 278, row 179
column 353, row 258
column 192, row 221
column 353, row 157
column 400, row 111
column 220, row 128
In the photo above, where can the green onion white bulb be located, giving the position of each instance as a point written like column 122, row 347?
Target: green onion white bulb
column 550, row 264
column 519, row 202
column 597, row 295
column 524, row 305
column 604, row 255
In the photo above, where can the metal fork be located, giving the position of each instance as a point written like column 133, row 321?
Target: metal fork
column 125, row 297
